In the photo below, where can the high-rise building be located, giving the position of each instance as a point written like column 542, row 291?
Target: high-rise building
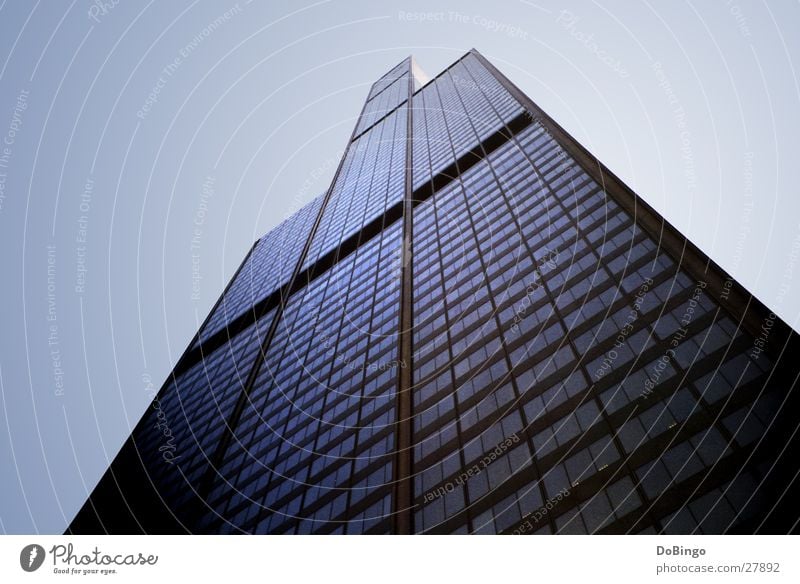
column 476, row 329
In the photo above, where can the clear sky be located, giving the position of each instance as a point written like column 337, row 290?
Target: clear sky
column 146, row 146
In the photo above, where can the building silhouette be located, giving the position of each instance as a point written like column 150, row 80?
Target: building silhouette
column 476, row 329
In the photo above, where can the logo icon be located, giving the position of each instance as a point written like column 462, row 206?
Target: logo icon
column 31, row 557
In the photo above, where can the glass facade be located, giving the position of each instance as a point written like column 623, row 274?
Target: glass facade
column 268, row 266
column 571, row 364
column 315, row 440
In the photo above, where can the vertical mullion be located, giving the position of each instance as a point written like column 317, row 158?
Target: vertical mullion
column 402, row 476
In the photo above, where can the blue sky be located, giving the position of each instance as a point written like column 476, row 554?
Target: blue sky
column 124, row 127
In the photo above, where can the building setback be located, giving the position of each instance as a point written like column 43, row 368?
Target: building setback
column 476, row 329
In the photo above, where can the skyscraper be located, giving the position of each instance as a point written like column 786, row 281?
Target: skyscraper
column 476, row 329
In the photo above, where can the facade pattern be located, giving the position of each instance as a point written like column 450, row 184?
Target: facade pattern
column 476, row 329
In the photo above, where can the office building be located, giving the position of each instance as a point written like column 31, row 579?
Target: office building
column 476, row 329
